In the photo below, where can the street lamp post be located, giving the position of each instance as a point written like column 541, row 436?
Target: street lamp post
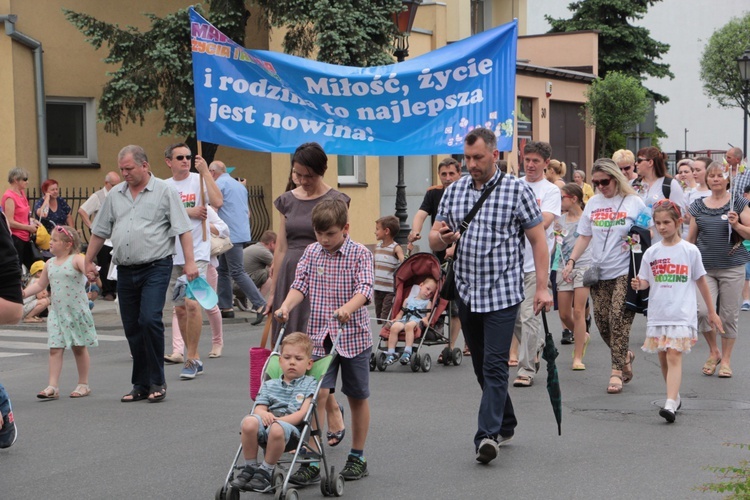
column 744, row 63
column 404, row 20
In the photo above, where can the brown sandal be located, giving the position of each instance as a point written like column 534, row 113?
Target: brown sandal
column 627, row 375
column 709, row 367
column 616, row 387
column 725, row 371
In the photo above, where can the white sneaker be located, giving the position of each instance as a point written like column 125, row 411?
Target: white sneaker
column 487, row 451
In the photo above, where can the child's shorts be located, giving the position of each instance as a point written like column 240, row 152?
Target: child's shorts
column 355, row 373
column 290, row 431
column 29, row 306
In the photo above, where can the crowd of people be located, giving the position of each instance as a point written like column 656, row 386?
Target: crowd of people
column 687, row 232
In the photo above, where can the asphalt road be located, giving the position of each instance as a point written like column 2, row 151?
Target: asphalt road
column 420, row 442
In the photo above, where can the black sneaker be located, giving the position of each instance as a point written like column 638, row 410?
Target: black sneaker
column 567, row 337
column 306, row 475
column 8, row 432
column 355, row 468
column 261, row 481
column 244, row 477
column 667, row 414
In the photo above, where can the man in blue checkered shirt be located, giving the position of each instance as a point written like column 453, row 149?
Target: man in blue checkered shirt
column 489, row 275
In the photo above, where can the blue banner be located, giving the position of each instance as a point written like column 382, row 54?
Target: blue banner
column 273, row 102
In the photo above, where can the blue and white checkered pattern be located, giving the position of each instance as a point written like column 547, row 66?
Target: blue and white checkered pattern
column 489, row 265
column 283, row 398
column 740, row 181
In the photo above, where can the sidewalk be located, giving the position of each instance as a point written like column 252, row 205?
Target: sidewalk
column 107, row 318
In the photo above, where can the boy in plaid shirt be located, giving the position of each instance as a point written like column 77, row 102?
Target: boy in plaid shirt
column 337, row 275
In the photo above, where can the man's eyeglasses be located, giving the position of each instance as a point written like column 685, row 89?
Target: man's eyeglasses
column 182, row 157
column 626, row 168
column 602, row 183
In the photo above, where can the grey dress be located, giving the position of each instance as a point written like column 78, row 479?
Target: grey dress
column 299, row 234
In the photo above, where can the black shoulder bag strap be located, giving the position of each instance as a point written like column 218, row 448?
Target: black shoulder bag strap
column 473, row 212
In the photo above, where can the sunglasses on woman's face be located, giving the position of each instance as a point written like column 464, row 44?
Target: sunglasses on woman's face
column 626, row 168
column 602, row 183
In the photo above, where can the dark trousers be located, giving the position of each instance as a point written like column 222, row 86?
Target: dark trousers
column 104, row 259
column 142, row 291
column 23, row 249
column 488, row 336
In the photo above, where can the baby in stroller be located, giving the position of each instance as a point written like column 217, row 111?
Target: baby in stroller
column 415, row 310
column 280, row 409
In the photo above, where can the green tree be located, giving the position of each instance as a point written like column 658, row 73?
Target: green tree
column 614, row 103
column 719, row 72
column 623, row 47
column 346, row 32
column 155, row 67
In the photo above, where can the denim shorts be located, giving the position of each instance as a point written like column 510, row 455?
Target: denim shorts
column 289, row 430
column 747, row 271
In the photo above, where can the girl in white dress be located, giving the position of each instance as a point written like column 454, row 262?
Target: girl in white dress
column 672, row 268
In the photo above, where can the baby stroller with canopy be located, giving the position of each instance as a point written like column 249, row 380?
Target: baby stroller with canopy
column 406, row 279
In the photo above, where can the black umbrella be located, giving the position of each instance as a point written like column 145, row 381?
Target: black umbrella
column 553, row 381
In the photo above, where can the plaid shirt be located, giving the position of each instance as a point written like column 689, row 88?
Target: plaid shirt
column 330, row 281
column 489, row 264
column 740, row 181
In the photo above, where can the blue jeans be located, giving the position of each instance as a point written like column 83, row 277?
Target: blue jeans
column 231, row 267
column 488, row 336
column 142, row 292
column 4, row 403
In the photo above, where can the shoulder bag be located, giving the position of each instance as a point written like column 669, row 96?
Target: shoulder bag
column 448, row 291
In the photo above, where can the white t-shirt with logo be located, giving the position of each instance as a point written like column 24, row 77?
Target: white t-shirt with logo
column 671, row 272
column 189, row 190
column 549, row 199
column 602, row 217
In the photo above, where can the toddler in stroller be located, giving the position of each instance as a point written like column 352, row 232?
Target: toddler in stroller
column 280, row 409
column 416, row 310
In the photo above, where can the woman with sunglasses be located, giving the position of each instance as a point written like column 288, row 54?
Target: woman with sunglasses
column 51, row 208
column 653, row 183
column 606, row 220
column 16, row 207
column 724, row 260
column 626, row 163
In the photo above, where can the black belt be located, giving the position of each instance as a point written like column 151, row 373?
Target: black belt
column 138, row 267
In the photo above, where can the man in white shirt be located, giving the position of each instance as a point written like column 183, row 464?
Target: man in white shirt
column 188, row 185
column 528, row 328
column 87, row 212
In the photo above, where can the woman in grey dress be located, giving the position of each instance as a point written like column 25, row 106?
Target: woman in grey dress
column 295, row 233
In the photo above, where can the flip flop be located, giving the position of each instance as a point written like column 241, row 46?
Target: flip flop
column 134, row 395
column 337, row 437
column 585, row 345
column 709, row 367
column 627, row 375
column 578, row 367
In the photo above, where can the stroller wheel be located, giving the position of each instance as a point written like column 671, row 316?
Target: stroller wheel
column 221, row 494
column 373, row 362
column 447, row 356
column 380, row 361
column 277, row 479
column 338, row 485
column 426, row 362
column 416, row 358
column 291, row 494
column 232, row 493
column 458, row 356
column 325, row 489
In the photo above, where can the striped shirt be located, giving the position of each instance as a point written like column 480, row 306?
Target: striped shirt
column 284, row 398
column 713, row 235
column 489, row 265
column 386, row 263
column 330, row 280
column 142, row 229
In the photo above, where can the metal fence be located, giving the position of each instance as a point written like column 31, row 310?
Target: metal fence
column 260, row 219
